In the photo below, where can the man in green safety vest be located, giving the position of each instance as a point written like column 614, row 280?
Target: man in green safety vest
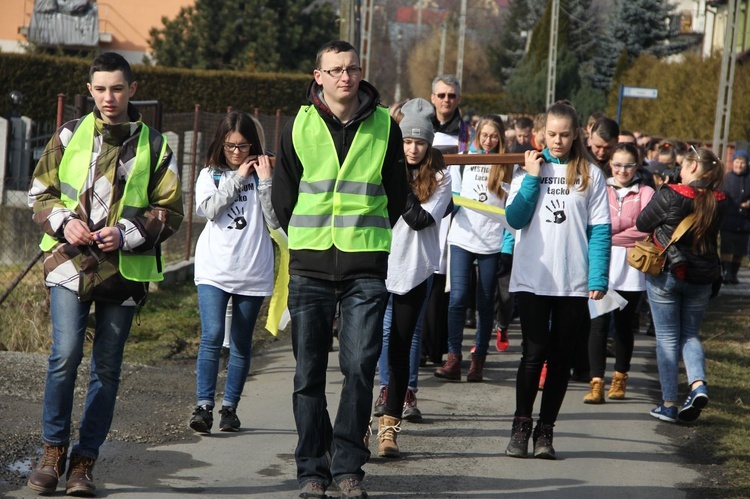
column 338, row 187
column 107, row 193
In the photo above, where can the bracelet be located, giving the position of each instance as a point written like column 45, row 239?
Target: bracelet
column 122, row 237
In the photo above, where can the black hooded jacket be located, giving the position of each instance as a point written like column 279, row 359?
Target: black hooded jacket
column 333, row 264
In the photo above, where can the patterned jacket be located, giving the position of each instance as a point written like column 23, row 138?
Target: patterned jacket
column 86, row 270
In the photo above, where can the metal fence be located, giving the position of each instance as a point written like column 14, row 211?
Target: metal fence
column 24, row 319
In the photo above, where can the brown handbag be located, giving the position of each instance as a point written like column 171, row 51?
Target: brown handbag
column 647, row 257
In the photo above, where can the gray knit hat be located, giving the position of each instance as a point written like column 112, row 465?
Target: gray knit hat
column 417, row 120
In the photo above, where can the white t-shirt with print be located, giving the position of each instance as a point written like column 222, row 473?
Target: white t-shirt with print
column 234, row 252
column 415, row 255
column 551, row 252
column 470, row 230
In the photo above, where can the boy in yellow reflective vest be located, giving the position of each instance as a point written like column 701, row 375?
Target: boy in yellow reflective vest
column 107, row 193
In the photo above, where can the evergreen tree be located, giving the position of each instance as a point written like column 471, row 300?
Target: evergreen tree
column 577, row 25
column 518, row 22
column 244, row 34
column 638, row 27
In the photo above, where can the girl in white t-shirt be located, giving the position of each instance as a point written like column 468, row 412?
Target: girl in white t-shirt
column 414, row 258
column 233, row 260
column 628, row 195
column 472, row 238
column 558, row 203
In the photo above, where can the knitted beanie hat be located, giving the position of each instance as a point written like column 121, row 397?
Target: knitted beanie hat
column 417, row 120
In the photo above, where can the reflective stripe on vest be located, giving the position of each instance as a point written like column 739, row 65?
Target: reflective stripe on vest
column 142, row 267
column 342, row 205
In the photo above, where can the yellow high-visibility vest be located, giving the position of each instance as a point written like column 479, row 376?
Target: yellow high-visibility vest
column 141, row 267
column 342, row 205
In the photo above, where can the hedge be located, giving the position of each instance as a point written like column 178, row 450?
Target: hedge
column 40, row 78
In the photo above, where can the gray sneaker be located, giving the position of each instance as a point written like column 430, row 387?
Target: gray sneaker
column 313, row 490
column 351, row 488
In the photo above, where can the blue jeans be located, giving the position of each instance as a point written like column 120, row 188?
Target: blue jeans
column 69, row 317
column 677, row 308
column 461, row 265
column 415, row 352
column 312, row 304
column 212, row 303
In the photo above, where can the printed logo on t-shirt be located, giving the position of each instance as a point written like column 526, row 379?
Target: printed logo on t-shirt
column 238, row 218
column 557, row 208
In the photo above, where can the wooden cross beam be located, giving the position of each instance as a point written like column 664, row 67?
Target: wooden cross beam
column 485, row 159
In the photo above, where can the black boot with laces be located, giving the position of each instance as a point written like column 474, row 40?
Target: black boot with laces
column 519, row 438
column 543, row 441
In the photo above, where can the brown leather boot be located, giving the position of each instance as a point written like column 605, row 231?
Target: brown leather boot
column 452, row 368
column 388, row 428
column 80, row 480
column 49, row 469
column 475, row 369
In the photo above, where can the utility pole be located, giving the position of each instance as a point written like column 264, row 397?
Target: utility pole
column 365, row 46
column 726, row 80
column 349, row 26
column 461, row 39
column 552, row 57
column 441, row 61
column 397, row 91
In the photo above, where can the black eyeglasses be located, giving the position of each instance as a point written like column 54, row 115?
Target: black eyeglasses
column 229, row 147
column 444, row 95
column 352, row 71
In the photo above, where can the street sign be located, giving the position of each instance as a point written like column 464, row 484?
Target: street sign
column 634, row 92
column 640, row 92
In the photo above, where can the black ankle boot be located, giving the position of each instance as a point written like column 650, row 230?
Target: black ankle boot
column 543, row 441
column 519, row 438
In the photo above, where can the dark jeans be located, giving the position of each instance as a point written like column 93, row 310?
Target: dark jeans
column 549, row 325
column 623, row 336
column 406, row 311
column 312, row 304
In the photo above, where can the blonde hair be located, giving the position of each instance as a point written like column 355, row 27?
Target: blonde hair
column 498, row 173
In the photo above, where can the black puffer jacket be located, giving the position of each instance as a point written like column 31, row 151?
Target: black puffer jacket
column 662, row 216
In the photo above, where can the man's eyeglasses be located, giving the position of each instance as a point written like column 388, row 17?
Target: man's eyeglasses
column 229, row 147
column 444, row 95
column 352, row 71
column 626, row 166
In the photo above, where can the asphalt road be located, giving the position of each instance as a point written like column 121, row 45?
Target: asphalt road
column 615, row 450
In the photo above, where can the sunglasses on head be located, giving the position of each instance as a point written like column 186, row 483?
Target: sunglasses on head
column 443, row 95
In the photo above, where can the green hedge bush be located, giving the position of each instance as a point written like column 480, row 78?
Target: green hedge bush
column 40, row 78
